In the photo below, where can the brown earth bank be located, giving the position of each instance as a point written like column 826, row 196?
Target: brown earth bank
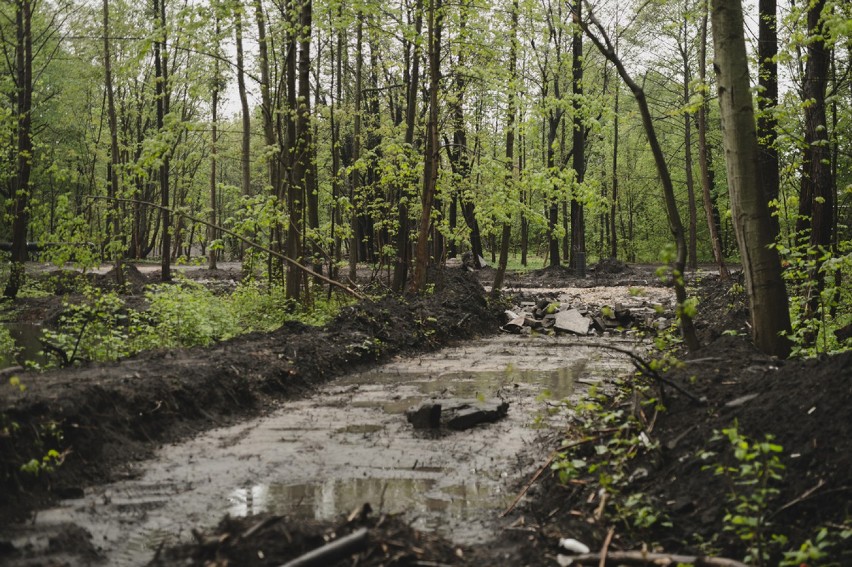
column 113, row 415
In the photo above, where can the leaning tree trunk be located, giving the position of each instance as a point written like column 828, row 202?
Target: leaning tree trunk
column 675, row 225
column 770, row 315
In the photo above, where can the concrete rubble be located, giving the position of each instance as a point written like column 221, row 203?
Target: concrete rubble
column 572, row 317
column 455, row 414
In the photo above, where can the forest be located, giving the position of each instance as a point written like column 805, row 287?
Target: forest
column 344, row 132
column 220, row 219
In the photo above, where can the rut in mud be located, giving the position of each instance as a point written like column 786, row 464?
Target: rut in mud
column 349, row 443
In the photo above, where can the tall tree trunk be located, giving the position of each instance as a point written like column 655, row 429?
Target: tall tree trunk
column 266, row 105
column 430, row 154
column 114, row 155
column 704, row 153
column 403, row 242
column 816, row 198
column 553, row 203
column 613, row 204
column 306, row 164
column 767, row 100
column 214, row 140
column 578, row 223
column 295, row 187
column 23, row 159
column 675, row 225
column 770, row 314
column 355, row 240
column 510, row 176
column 161, row 70
column 336, row 96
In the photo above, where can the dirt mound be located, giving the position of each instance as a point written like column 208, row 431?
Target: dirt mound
column 100, row 419
column 803, row 404
column 133, row 280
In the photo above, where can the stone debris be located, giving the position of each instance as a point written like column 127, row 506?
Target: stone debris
column 457, row 415
column 546, row 315
column 572, row 321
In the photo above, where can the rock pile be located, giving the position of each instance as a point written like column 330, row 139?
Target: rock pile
column 549, row 316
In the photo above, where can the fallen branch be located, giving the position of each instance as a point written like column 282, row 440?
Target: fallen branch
column 646, row 558
column 540, row 471
column 333, row 551
column 243, row 239
column 645, row 368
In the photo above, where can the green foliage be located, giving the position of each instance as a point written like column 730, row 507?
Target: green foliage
column 814, row 329
column 751, row 480
column 610, row 465
column 8, row 348
column 68, row 240
column 180, row 315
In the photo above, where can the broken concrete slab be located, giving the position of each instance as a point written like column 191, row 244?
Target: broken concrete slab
column 427, row 416
column 515, row 325
column 457, row 415
column 468, row 415
column 572, row 321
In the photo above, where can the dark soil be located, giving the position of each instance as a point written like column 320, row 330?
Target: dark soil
column 115, row 414
column 803, row 404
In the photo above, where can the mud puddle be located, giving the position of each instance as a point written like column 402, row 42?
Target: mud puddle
column 349, row 444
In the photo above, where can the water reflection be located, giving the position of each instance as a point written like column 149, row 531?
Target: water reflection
column 328, row 499
column 27, row 344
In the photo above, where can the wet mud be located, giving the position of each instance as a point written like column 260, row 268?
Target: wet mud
column 349, row 443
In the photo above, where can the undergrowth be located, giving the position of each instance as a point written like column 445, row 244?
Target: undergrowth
column 184, row 314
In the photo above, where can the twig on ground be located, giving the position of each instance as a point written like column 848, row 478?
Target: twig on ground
column 646, row 558
column 540, row 471
column 798, row 499
column 333, row 551
column 645, row 368
column 605, row 547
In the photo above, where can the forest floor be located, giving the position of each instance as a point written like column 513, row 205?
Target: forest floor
column 115, row 415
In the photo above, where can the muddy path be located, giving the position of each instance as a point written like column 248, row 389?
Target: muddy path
column 348, row 443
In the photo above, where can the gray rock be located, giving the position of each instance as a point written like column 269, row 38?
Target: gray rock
column 572, row 321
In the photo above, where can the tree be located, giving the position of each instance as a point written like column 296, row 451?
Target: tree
column 114, row 157
column 767, row 294
column 604, row 45
column 431, row 156
column 161, row 66
column 24, row 152
column 511, row 117
column 704, row 160
column 578, row 223
column 816, row 195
